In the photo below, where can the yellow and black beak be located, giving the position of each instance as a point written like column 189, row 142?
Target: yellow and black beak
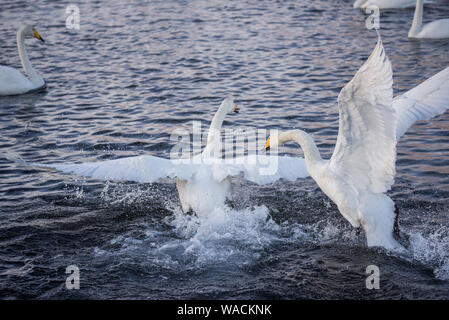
column 37, row 35
column 267, row 145
column 236, row 109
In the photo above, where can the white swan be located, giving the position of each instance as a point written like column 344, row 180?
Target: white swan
column 362, row 167
column 438, row 29
column 202, row 181
column 12, row 81
column 385, row 4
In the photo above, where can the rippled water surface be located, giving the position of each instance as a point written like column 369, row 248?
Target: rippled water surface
column 137, row 70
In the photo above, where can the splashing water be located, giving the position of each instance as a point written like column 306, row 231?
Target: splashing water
column 226, row 233
column 239, row 237
column 225, row 236
column 432, row 250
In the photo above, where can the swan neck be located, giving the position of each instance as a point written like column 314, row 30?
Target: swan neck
column 217, row 120
column 358, row 3
column 308, row 146
column 24, row 59
column 214, row 134
column 417, row 19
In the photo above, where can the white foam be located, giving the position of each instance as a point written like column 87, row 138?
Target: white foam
column 239, row 237
column 225, row 236
column 432, row 250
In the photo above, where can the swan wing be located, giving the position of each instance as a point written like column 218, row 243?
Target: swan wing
column 423, row 102
column 263, row 169
column 260, row 169
column 139, row 169
column 365, row 152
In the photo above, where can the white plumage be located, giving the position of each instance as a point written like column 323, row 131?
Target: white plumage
column 438, row 29
column 202, row 181
column 385, row 4
column 12, row 81
column 429, row 99
column 362, row 167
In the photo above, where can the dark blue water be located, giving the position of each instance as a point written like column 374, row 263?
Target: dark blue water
column 137, row 70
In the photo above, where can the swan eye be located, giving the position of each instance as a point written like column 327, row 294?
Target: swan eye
column 236, row 109
column 37, row 35
column 267, row 145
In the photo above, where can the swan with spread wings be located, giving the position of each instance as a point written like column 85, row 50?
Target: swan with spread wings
column 362, row 167
column 202, row 181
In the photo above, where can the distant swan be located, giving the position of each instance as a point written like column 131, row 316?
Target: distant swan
column 438, row 29
column 362, row 167
column 202, row 181
column 385, row 4
column 12, row 81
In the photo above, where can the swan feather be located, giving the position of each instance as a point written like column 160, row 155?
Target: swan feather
column 427, row 100
column 365, row 150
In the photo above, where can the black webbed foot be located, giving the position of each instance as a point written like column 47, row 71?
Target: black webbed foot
column 400, row 236
column 396, row 230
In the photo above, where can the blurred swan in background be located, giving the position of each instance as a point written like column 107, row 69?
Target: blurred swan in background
column 202, row 181
column 438, row 29
column 362, row 167
column 385, row 4
column 12, row 81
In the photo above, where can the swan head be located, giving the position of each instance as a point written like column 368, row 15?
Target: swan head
column 280, row 138
column 31, row 32
column 228, row 106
